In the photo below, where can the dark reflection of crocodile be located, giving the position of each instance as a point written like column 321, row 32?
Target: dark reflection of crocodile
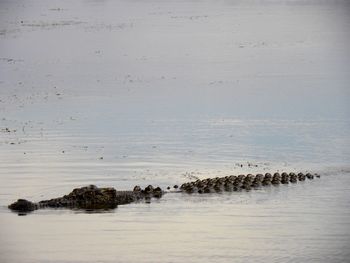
column 92, row 197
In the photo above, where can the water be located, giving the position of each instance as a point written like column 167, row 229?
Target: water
column 120, row 93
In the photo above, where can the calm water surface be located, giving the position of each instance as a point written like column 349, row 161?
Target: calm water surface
column 123, row 93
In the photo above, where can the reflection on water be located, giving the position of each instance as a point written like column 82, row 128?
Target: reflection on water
column 124, row 93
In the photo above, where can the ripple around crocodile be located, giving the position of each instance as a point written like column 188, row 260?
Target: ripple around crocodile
column 94, row 198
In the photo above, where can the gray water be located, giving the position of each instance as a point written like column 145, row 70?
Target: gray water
column 123, row 93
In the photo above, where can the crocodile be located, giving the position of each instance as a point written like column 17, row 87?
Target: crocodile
column 93, row 198
column 90, row 198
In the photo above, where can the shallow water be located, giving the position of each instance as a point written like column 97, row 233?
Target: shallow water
column 120, row 93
